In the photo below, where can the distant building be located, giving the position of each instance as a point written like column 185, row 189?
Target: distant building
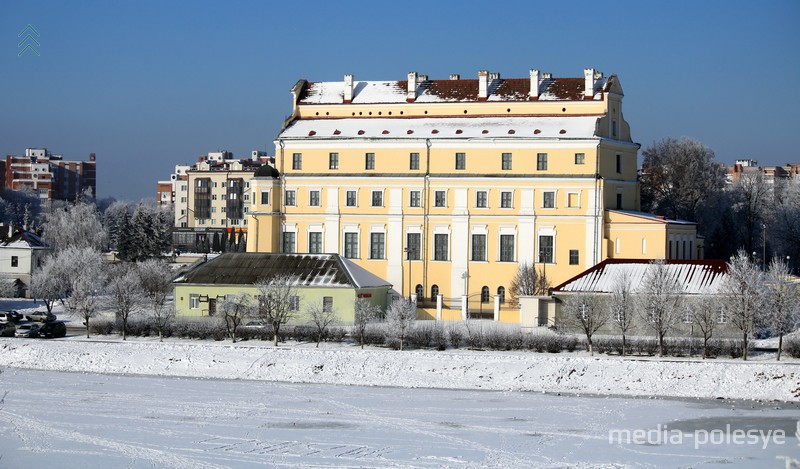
column 49, row 175
column 325, row 279
column 210, row 197
column 790, row 172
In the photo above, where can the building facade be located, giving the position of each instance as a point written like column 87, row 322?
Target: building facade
column 49, row 175
column 444, row 187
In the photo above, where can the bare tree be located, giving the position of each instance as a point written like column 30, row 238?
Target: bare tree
column 125, row 292
column 74, row 225
column 364, row 313
column 678, row 176
column 660, row 300
column 621, row 303
column 704, row 313
column 234, row 309
column 81, row 271
column 278, row 301
column 322, row 317
column 785, row 224
column 156, row 280
column 585, row 312
column 400, row 319
column 743, row 295
column 528, row 281
column 751, row 198
column 783, row 301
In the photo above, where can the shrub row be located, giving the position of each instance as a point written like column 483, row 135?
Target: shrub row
column 673, row 346
column 791, row 345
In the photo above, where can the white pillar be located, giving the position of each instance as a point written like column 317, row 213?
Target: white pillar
column 464, row 307
column 438, row 307
column 497, row 307
column 414, row 298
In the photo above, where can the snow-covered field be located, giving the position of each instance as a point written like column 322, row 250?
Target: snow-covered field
column 102, row 402
column 79, row 420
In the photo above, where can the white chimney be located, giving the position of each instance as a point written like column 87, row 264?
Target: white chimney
column 588, row 86
column 483, row 85
column 422, row 78
column 411, row 95
column 348, row 88
column 534, row 92
column 547, row 76
column 455, row 76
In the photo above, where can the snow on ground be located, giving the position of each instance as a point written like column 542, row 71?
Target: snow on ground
column 77, row 420
column 346, row 364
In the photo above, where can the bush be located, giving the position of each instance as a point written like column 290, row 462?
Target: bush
column 101, row 327
column 373, row 335
column 792, row 346
column 455, row 335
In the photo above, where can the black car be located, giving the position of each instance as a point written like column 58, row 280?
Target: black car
column 10, row 316
column 53, row 329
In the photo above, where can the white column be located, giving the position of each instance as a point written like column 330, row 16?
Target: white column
column 527, row 234
column 497, row 307
column 394, row 242
column 438, row 307
column 464, row 306
column 459, row 243
column 414, row 299
column 331, row 233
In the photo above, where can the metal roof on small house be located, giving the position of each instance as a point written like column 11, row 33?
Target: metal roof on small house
column 308, row 270
column 695, row 276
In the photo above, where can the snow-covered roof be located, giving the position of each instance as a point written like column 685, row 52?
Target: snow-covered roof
column 307, row 270
column 23, row 239
column 695, row 276
column 435, row 91
column 567, row 127
column 652, row 217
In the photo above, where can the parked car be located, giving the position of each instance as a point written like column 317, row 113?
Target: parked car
column 41, row 316
column 27, row 330
column 7, row 329
column 10, row 316
column 53, row 329
column 257, row 325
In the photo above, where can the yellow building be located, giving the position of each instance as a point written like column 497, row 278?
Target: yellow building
column 443, row 187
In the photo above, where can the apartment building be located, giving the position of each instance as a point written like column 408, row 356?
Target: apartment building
column 49, row 175
column 443, row 187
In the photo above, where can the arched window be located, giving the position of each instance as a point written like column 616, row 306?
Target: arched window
column 420, row 293
column 434, row 292
column 485, row 294
column 501, row 292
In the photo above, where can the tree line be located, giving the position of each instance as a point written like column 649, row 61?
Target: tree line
column 680, row 179
column 749, row 300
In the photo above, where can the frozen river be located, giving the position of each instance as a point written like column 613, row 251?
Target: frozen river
column 64, row 420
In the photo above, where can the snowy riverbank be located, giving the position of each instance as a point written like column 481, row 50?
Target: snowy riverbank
column 456, row 369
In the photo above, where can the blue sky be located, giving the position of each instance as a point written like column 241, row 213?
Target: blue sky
column 150, row 84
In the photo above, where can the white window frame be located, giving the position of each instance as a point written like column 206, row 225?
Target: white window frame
column 372, row 198
column 510, row 199
column 356, row 198
column 436, row 201
column 319, row 197
column 485, row 199
column 544, row 199
column 419, row 198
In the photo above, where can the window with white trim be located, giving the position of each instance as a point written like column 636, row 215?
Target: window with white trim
column 440, row 199
column 440, row 247
column 548, row 199
column 506, row 248
column 481, row 199
column 414, row 199
column 289, row 198
column 377, row 198
column 351, row 199
column 377, row 245
column 315, row 242
column 478, row 247
column 506, row 199
column 313, row 198
column 351, row 245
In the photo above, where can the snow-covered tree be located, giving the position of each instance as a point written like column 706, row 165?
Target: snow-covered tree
column 704, row 313
column 75, row 225
column 81, row 271
column 235, row 309
column 322, row 317
column 585, row 312
column 660, row 301
column 400, row 319
column 782, row 310
column 364, row 313
column 784, row 226
column 752, row 197
column 115, row 219
column 155, row 277
column 278, row 301
column 47, row 284
column 621, row 305
column 125, row 293
column 743, row 295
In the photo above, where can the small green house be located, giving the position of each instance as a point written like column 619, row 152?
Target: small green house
column 319, row 278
